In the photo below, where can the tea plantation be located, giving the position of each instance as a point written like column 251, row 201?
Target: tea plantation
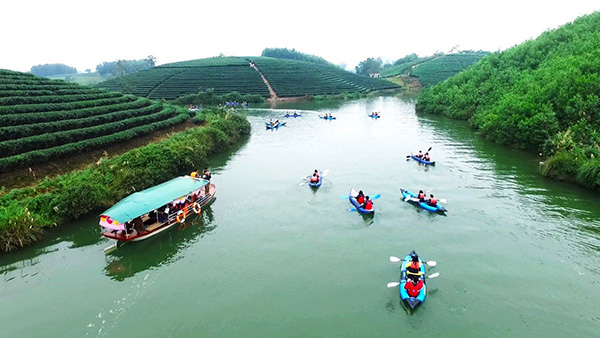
column 43, row 119
column 289, row 78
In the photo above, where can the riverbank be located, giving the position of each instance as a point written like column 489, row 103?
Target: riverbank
column 25, row 212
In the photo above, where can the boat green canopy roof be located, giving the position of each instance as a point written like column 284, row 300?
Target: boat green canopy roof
column 143, row 202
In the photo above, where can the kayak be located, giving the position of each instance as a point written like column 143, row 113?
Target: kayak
column 280, row 124
column 352, row 198
column 374, row 116
column 295, row 115
column 422, row 160
column 412, row 198
column 327, row 117
column 317, row 184
column 413, row 302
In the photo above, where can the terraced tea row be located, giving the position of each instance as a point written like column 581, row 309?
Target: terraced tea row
column 289, row 78
column 42, row 119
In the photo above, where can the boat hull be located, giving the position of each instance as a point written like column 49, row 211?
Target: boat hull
column 422, row 161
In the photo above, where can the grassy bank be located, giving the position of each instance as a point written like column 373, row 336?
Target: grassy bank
column 25, row 212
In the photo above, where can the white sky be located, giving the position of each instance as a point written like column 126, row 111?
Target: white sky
column 83, row 33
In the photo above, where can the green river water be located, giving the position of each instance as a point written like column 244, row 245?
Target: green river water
column 518, row 254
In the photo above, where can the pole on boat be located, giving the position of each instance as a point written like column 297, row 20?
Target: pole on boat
column 111, row 248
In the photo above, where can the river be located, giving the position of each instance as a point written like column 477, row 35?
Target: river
column 517, row 254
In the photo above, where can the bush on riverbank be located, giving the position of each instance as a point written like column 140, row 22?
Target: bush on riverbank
column 542, row 95
column 24, row 212
column 209, row 97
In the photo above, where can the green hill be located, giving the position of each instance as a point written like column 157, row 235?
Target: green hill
column 433, row 69
column 289, row 78
column 43, row 119
column 542, row 95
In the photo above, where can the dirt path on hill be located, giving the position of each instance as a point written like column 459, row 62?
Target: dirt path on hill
column 271, row 90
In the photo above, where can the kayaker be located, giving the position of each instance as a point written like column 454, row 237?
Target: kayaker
column 194, row 174
column 315, row 177
column 421, row 196
column 360, row 198
column 414, row 286
column 420, row 154
column 368, row 205
column 432, row 200
column 413, row 267
column 427, row 157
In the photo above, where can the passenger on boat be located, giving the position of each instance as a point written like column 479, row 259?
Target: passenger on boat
column 360, row 198
column 162, row 216
column 432, row 200
column 194, row 174
column 413, row 267
column 207, row 176
column 413, row 286
column 420, row 154
column 421, row 196
column 138, row 224
column 315, row 177
column 427, row 157
column 368, row 205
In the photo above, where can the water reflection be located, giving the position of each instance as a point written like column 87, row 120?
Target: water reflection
column 132, row 258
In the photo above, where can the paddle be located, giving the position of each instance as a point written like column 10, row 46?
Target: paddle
column 395, row 259
column 408, row 156
column 394, row 284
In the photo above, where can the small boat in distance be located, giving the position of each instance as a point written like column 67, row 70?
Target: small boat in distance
column 146, row 213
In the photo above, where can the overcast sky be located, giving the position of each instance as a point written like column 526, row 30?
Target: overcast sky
column 83, row 33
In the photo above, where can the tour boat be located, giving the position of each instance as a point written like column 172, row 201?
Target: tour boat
column 142, row 214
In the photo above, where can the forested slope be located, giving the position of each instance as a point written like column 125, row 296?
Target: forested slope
column 542, row 95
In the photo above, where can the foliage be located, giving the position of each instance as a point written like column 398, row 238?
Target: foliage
column 24, row 212
column 292, row 54
column 52, row 69
column 542, row 95
column 209, row 97
column 369, row 66
column 122, row 67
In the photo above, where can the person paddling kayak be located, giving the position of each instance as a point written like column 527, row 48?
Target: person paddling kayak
column 432, row 200
column 368, row 204
column 420, row 154
column 360, row 198
column 413, row 288
column 315, row 177
column 427, row 157
column 413, row 267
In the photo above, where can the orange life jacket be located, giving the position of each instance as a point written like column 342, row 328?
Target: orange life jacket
column 369, row 205
column 413, row 268
column 412, row 289
column 433, row 201
column 360, row 199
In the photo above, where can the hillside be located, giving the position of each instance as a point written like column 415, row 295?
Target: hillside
column 289, row 78
column 42, row 119
column 433, row 69
column 542, row 95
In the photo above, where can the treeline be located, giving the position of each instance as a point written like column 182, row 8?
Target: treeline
column 50, row 69
column 122, row 67
column 542, row 95
column 25, row 212
column 292, row 54
column 209, row 97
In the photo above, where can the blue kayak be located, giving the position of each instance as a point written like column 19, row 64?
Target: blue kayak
column 327, row 117
column 295, row 115
column 275, row 126
column 352, row 198
column 374, row 116
column 422, row 160
column 412, row 198
column 317, row 184
column 412, row 302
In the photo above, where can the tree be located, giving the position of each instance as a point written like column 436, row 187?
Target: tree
column 369, row 66
column 50, row 69
column 151, row 60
